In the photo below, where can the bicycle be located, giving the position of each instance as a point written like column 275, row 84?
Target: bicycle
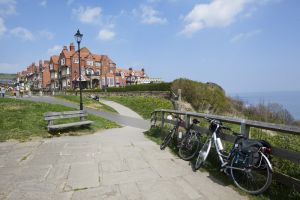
column 172, row 133
column 190, row 143
column 248, row 161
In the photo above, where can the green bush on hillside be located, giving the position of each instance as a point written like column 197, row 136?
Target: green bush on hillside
column 203, row 97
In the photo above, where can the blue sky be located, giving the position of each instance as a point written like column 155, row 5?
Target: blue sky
column 243, row 45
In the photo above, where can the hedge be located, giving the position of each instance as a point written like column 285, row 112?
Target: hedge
column 129, row 88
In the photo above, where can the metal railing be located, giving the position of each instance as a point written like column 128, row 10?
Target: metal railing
column 245, row 126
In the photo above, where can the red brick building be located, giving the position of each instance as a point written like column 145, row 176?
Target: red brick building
column 62, row 72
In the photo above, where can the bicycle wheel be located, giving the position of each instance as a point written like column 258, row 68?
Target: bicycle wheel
column 167, row 140
column 189, row 146
column 253, row 180
column 203, row 153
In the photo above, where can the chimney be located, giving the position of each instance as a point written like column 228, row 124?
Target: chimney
column 72, row 47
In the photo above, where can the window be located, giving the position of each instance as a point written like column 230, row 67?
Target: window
column 75, row 60
column 98, row 64
column 89, row 72
column 62, row 61
column 103, row 81
column 51, row 66
column 111, row 82
column 111, row 65
column 89, row 62
column 68, row 70
column 97, row 72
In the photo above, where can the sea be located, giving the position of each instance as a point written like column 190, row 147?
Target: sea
column 290, row 100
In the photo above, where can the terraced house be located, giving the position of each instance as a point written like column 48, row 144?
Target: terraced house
column 61, row 72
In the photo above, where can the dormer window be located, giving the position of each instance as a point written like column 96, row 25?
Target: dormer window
column 62, row 61
column 75, row 60
column 51, row 66
column 111, row 65
column 89, row 62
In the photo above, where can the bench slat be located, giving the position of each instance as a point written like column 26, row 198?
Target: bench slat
column 64, row 116
column 59, row 126
column 50, row 114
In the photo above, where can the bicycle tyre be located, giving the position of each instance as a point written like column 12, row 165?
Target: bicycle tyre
column 245, row 180
column 189, row 147
column 167, row 140
column 203, row 153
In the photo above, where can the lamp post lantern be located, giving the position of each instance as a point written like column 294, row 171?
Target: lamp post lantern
column 78, row 37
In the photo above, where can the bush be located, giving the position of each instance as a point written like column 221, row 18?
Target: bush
column 130, row 88
column 204, row 97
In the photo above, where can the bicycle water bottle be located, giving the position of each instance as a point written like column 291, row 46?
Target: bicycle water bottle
column 180, row 135
column 219, row 143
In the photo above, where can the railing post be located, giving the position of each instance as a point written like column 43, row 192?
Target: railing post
column 162, row 119
column 187, row 121
column 245, row 129
column 179, row 94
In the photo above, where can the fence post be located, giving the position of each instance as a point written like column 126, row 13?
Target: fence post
column 245, row 129
column 187, row 121
column 179, row 94
column 162, row 119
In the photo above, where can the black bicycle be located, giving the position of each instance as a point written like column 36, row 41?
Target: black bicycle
column 173, row 134
column 190, row 143
column 248, row 162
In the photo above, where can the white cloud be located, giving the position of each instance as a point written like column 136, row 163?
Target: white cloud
column 7, row 7
column 218, row 13
column 43, row 3
column 3, row 28
column 55, row 50
column 149, row 15
column 106, row 34
column 46, row 34
column 22, row 33
column 245, row 36
column 88, row 15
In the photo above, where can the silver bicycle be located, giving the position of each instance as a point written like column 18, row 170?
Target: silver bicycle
column 248, row 162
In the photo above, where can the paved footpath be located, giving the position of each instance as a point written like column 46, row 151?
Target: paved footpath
column 111, row 164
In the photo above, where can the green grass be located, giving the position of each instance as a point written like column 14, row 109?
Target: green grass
column 276, row 191
column 23, row 120
column 87, row 102
column 143, row 105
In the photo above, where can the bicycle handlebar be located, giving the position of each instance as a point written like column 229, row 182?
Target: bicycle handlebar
column 218, row 123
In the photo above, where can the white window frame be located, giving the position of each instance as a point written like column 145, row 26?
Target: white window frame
column 98, row 64
column 90, row 62
column 75, row 60
column 62, row 61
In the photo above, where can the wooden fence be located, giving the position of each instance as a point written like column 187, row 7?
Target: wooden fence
column 245, row 126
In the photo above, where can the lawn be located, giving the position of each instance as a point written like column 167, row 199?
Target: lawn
column 23, row 120
column 143, row 105
column 87, row 102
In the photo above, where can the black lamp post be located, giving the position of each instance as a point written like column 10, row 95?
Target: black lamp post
column 78, row 37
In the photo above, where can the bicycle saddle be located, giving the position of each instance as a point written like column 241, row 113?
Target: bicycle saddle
column 248, row 146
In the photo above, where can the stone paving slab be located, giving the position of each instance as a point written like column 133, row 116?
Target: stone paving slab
column 112, row 164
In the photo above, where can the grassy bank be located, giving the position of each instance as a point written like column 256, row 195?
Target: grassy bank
column 22, row 120
column 87, row 102
column 143, row 105
column 277, row 191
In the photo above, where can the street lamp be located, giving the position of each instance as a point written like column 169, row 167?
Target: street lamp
column 78, row 37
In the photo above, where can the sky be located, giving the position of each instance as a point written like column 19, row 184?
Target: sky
column 242, row 45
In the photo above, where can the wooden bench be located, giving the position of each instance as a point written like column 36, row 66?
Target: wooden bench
column 51, row 116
